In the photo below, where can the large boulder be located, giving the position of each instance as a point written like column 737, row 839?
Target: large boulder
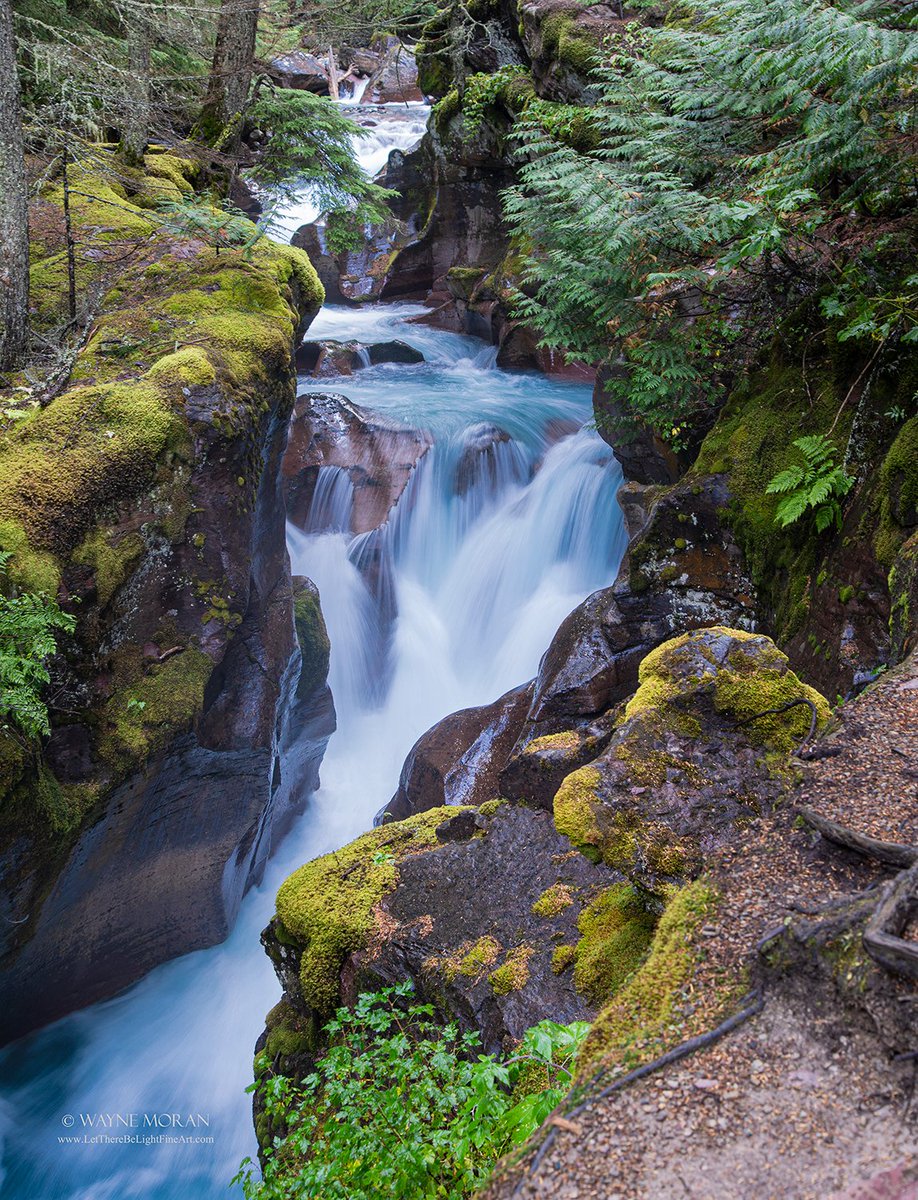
column 473, row 905
column 376, row 456
column 301, row 70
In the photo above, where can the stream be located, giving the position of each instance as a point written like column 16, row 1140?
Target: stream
column 481, row 574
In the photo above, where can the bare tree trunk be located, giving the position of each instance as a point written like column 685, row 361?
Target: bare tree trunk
column 231, row 72
column 14, row 204
column 332, row 74
column 136, row 131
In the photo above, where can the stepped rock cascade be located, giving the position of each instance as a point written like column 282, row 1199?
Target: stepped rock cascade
column 507, row 523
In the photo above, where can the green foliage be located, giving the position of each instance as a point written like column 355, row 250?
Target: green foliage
column 309, row 147
column 483, row 91
column 815, row 486
column 27, row 640
column 725, row 140
column 402, row 1106
column 220, row 228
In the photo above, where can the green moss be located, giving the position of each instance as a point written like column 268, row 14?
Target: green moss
column 554, row 900
column 111, row 563
column 313, row 639
column 845, row 593
column 189, row 367
column 631, row 841
column 554, row 741
column 616, row 932
column 30, row 570
column 327, row 906
column 562, row 958
column 562, row 38
column 621, row 838
column 754, row 678
column 642, row 1018
column 288, row 1032
column 473, row 961
column 447, row 108
column 575, row 810
column 154, row 704
column 903, row 595
column 898, row 493
column 513, row 973
column 490, row 807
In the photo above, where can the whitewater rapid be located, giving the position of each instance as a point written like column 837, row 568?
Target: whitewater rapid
column 481, row 580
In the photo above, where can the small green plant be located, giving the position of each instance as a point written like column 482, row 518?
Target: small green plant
column 27, row 640
column 402, row 1106
column 816, row 486
column 221, row 228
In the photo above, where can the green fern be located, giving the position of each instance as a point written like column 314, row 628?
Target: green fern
column 27, row 640
column 817, row 485
column 727, row 135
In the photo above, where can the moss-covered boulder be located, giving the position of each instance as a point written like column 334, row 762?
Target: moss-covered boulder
column 491, row 912
column 701, row 748
column 146, row 496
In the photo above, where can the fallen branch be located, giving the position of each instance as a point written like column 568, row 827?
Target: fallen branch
column 893, row 854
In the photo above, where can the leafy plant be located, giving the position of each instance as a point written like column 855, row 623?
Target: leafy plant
column 27, row 640
column 817, row 485
column 401, row 1106
column 308, row 145
column 726, row 138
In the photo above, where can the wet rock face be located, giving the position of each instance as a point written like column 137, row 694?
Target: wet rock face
column 458, row 760
column 375, row 456
column 163, row 868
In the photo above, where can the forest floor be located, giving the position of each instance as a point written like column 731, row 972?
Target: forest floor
column 804, row 1099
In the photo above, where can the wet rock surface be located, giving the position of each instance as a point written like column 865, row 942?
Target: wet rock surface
column 375, row 456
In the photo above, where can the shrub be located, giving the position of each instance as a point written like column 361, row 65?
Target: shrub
column 402, row 1106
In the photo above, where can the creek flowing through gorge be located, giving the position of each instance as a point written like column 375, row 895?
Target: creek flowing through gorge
column 482, row 566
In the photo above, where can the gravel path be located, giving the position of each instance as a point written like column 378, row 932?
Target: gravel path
column 802, row 1100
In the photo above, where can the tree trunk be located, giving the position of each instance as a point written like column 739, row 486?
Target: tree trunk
column 14, row 205
column 230, row 73
column 136, row 132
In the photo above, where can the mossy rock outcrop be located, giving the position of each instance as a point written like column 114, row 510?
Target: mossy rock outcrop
column 702, row 747
column 491, row 912
column 146, row 496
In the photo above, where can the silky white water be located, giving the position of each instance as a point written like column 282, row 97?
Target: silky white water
column 480, row 580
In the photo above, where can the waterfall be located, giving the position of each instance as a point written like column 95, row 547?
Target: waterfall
column 506, row 524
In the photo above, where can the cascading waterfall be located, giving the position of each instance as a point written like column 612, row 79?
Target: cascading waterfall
column 508, row 522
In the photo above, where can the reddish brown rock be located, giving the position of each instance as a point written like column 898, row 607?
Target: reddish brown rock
column 378, row 456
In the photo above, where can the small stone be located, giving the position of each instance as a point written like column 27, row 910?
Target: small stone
column 757, row 1066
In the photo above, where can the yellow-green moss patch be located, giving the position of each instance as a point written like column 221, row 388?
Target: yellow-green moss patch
column 616, row 932
column 554, row 741
column 645, row 1016
column 554, row 900
column 563, row 957
column 513, row 973
column 326, row 907
column 575, row 811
